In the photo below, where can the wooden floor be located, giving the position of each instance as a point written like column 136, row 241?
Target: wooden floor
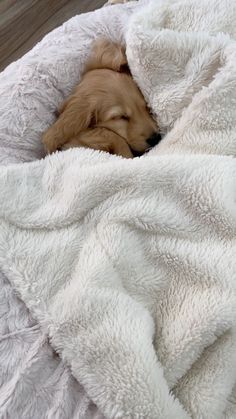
column 23, row 23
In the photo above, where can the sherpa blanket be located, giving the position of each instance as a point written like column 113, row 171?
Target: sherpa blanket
column 34, row 382
column 129, row 265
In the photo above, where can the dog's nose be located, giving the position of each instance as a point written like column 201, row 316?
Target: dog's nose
column 154, row 139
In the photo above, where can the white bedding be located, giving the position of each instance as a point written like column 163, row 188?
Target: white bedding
column 129, row 265
column 34, row 382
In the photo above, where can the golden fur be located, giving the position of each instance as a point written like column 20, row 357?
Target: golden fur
column 106, row 111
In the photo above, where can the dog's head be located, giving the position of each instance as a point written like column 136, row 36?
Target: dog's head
column 107, row 110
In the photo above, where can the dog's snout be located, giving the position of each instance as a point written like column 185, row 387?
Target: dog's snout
column 154, row 139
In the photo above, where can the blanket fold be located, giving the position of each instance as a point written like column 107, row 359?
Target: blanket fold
column 129, row 265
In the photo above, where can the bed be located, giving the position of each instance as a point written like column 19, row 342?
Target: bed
column 165, row 346
column 34, row 382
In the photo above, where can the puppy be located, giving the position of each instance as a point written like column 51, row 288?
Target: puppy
column 106, row 111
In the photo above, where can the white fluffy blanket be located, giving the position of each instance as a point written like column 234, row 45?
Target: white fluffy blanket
column 130, row 264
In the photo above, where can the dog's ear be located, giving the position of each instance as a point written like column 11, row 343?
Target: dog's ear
column 75, row 115
column 107, row 54
column 101, row 139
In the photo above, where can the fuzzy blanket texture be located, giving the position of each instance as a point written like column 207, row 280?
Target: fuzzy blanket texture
column 34, row 382
column 129, row 265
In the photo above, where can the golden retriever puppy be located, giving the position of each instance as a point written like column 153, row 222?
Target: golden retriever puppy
column 106, row 111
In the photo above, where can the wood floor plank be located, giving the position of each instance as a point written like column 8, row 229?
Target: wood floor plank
column 23, row 23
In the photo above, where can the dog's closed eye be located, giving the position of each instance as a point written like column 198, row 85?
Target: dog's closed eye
column 118, row 117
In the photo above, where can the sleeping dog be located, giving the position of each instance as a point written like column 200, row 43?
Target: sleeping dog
column 106, row 111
